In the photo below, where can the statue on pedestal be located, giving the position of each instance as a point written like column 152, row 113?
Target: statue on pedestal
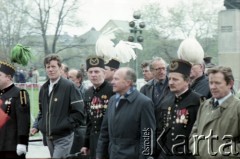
column 232, row 4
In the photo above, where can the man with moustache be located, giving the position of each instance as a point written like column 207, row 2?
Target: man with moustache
column 96, row 102
column 177, row 114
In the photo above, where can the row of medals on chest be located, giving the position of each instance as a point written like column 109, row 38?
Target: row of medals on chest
column 98, row 106
column 181, row 116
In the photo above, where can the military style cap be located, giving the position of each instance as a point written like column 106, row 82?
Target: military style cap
column 207, row 61
column 94, row 61
column 113, row 64
column 7, row 68
column 180, row 66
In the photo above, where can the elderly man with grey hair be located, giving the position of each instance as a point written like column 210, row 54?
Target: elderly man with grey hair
column 157, row 88
column 199, row 81
column 129, row 124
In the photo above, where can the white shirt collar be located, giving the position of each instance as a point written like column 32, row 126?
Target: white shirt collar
column 221, row 100
column 52, row 83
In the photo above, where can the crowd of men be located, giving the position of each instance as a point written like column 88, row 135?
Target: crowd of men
column 181, row 112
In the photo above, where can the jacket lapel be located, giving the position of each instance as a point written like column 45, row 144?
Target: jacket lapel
column 217, row 113
column 163, row 93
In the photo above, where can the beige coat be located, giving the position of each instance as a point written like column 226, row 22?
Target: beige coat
column 225, row 120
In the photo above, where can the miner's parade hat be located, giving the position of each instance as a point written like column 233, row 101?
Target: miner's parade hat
column 94, row 61
column 113, row 64
column 180, row 66
column 7, row 68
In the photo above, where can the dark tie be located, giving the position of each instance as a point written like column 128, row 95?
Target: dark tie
column 215, row 104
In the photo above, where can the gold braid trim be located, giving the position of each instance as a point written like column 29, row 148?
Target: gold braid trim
column 7, row 64
column 23, row 98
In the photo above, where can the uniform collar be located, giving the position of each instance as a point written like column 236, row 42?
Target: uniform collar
column 100, row 87
column 6, row 89
column 182, row 96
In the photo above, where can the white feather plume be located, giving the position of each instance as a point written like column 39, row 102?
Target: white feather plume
column 191, row 51
column 104, row 45
column 123, row 51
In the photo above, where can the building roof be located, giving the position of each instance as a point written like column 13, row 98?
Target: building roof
column 120, row 24
column 88, row 38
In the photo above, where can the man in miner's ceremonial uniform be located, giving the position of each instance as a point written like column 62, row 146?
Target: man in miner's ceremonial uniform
column 177, row 114
column 14, row 115
column 96, row 101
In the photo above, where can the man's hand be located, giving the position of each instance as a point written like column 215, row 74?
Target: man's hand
column 84, row 151
column 33, row 131
column 21, row 149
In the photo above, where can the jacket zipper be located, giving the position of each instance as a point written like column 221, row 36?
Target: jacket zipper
column 49, row 114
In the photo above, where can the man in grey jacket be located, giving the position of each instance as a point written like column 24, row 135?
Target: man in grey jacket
column 157, row 88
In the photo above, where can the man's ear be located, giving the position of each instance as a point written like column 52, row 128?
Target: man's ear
column 231, row 83
column 130, row 82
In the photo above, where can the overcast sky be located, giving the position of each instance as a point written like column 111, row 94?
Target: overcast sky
column 96, row 13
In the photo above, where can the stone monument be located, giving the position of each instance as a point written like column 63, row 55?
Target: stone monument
column 232, row 4
column 229, row 38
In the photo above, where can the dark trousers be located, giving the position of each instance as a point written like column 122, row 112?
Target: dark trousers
column 10, row 154
column 79, row 135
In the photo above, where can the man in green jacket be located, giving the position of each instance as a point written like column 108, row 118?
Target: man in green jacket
column 216, row 131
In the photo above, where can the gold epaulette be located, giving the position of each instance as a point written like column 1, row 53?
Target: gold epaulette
column 23, row 97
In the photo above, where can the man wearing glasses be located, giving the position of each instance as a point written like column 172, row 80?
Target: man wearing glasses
column 157, row 88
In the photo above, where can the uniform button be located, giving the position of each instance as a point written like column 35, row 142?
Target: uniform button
column 173, row 122
column 174, row 116
column 173, row 128
column 172, row 134
column 172, row 139
column 95, row 122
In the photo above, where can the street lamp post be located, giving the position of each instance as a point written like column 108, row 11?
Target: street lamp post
column 136, row 29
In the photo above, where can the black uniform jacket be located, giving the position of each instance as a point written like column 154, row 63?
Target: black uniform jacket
column 96, row 102
column 62, row 110
column 175, row 119
column 15, row 103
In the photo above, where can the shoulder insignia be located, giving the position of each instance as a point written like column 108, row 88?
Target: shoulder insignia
column 23, row 98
